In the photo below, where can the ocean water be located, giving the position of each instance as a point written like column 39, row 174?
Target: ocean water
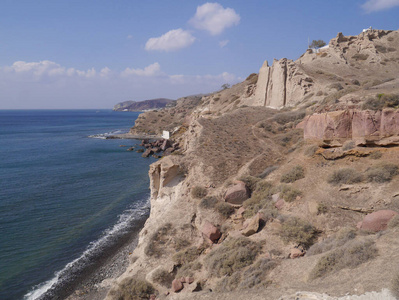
column 65, row 198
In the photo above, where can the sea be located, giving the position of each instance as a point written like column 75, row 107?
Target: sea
column 67, row 195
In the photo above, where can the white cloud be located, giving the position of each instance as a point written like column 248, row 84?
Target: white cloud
column 151, row 70
column 47, row 84
column 377, row 5
column 214, row 18
column 223, row 43
column 171, row 41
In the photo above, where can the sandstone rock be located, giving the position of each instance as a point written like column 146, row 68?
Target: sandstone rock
column 237, row 193
column 210, row 232
column 252, row 225
column 163, row 173
column 276, row 197
column 279, row 204
column 295, row 253
column 189, row 280
column 377, row 221
column 177, row 285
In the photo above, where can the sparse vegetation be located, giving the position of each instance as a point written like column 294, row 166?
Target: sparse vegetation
column 208, row 202
column 289, row 116
column 260, row 199
column 360, row 56
column 394, row 222
column 296, row 173
column 383, row 172
column 199, row 192
column 132, row 289
column 381, row 101
column 232, row 256
column 336, row 86
column 162, row 277
column 188, row 269
column 311, row 150
column 339, row 239
column 321, row 208
column 224, row 209
column 345, row 176
column 298, row 231
column 317, row 44
column 375, row 155
column 350, row 255
column 288, row 193
column 250, row 181
column 267, row 171
column 187, row 255
column 156, row 245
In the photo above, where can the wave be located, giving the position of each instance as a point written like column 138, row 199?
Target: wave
column 105, row 135
column 94, row 251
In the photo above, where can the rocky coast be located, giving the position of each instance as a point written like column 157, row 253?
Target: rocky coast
column 284, row 186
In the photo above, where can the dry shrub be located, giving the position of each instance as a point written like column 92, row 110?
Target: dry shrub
column 224, row 209
column 232, row 256
column 345, row 176
column 208, row 202
column 336, row 86
column 350, row 255
column 381, row 101
column 260, row 199
column 311, row 150
column 383, row 172
column 198, row 192
column 288, row 193
column 132, row 289
column 339, row 239
column 266, row 172
column 298, row 231
column 289, row 116
column 250, row 181
column 162, row 277
column 321, row 208
column 187, row 255
column 296, row 173
column 375, row 155
column 188, row 270
column 348, row 145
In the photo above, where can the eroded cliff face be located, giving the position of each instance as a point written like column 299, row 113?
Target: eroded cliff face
column 363, row 127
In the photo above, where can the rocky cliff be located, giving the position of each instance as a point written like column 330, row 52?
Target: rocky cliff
column 261, row 203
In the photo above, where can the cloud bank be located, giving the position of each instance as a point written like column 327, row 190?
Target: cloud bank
column 46, row 84
column 214, row 18
column 171, row 41
column 377, row 5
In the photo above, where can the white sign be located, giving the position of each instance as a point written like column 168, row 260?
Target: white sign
column 165, row 135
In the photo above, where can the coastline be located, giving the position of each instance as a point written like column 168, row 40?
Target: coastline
column 130, row 136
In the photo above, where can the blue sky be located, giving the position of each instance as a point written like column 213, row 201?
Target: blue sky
column 93, row 54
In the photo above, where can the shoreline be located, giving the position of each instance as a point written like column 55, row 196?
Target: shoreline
column 133, row 136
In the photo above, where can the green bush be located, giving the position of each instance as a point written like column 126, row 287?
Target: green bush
column 296, row 173
column 298, row 231
column 288, row 193
column 345, row 176
column 383, row 172
column 198, row 192
column 350, row 255
column 132, row 289
column 231, row 256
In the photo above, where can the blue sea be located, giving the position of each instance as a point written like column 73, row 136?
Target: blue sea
column 65, row 197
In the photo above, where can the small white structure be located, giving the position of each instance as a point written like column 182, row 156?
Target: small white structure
column 166, row 135
column 367, row 29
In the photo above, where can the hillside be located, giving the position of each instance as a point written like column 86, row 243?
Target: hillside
column 143, row 105
column 285, row 185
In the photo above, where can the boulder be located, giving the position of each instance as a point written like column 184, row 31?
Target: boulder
column 252, row 225
column 377, row 220
column 237, row 193
column 156, row 149
column 147, row 153
column 210, row 232
column 165, row 145
column 295, row 253
column 177, row 285
column 130, row 149
column 279, row 204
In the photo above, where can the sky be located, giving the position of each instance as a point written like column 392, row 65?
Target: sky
column 77, row 54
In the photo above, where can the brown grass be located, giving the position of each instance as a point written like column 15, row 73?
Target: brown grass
column 163, row 277
column 288, row 193
column 345, row 176
column 298, row 231
column 382, row 172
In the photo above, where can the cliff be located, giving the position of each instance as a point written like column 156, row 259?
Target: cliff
column 144, row 105
column 261, row 203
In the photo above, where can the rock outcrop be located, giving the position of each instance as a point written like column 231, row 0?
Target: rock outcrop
column 237, row 193
column 377, row 221
column 282, row 84
column 365, row 127
column 143, row 105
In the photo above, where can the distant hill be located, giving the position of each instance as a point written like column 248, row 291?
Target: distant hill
column 144, row 105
